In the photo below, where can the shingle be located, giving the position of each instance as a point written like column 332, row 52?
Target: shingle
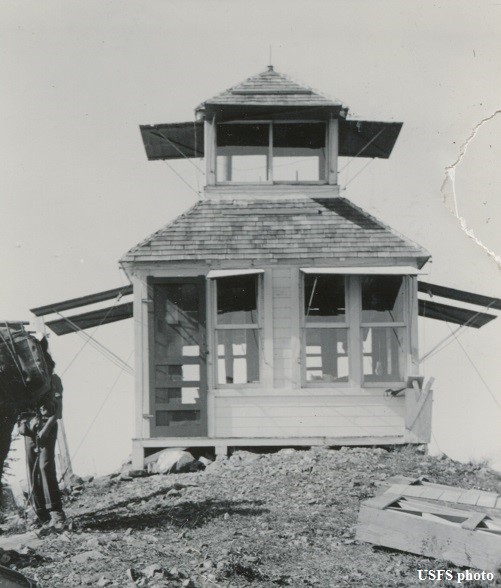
column 271, row 88
column 260, row 229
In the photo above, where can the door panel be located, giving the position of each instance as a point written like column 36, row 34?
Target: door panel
column 179, row 374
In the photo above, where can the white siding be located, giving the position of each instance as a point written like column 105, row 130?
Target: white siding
column 282, row 326
column 309, row 414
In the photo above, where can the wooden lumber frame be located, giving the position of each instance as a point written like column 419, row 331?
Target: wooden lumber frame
column 442, row 495
column 420, row 527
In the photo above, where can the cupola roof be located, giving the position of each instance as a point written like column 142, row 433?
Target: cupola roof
column 271, row 88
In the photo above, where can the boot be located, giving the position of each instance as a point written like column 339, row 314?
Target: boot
column 57, row 520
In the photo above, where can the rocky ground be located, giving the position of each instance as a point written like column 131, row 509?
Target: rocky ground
column 280, row 519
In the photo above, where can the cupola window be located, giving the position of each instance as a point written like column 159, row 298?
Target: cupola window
column 271, row 152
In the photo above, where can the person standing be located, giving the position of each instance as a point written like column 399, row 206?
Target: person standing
column 40, row 433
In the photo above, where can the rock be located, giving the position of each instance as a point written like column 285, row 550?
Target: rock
column 287, row 451
column 173, row 493
column 15, row 542
column 171, row 461
column 135, row 473
column 103, row 581
column 132, row 574
column 151, row 570
column 241, row 457
column 86, row 556
column 7, row 499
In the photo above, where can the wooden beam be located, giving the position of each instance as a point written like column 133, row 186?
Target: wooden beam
column 454, row 314
column 91, row 319
column 81, row 301
column 461, row 295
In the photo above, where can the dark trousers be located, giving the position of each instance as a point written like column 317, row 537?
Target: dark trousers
column 7, row 422
column 42, row 475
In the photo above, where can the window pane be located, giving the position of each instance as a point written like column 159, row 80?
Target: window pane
column 237, row 300
column 165, row 418
column 242, row 152
column 324, row 299
column 243, row 135
column 383, row 354
column 179, row 395
column 238, row 356
column 326, row 355
column 177, row 328
column 298, row 152
column 382, row 299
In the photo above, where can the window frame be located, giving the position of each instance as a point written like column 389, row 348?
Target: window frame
column 304, row 325
column 269, row 158
column 215, row 327
column 354, row 325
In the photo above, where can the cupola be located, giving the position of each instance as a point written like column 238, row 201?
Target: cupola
column 270, row 130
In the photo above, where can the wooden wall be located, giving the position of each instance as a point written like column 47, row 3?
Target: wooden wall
column 329, row 413
column 279, row 408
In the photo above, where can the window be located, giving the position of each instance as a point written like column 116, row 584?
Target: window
column 271, row 152
column 383, row 328
column 354, row 329
column 237, row 330
column 326, row 329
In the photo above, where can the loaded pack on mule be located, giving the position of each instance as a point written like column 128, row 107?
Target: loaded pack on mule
column 25, row 367
column 25, row 377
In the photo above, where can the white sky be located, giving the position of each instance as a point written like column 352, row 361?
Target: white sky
column 77, row 191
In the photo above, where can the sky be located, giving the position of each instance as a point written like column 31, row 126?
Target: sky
column 76, row 189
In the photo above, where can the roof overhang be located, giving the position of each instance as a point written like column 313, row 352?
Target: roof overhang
column 285, row 111
column 374, row 270
column 186, row 140
column 230, row 273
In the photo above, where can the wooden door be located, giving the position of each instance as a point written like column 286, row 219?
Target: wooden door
column 178, row 358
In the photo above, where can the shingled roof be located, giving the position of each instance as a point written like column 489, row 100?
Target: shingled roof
column 300, row 228
column 270, row 88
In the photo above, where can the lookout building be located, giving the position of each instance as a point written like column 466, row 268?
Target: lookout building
column 274, row 311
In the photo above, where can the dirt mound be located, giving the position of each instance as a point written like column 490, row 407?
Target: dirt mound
column 280, row 519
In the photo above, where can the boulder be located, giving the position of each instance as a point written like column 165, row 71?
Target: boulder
column 171, row 460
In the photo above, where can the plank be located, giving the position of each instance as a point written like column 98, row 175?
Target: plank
column 432, row 493
column 451, row 495
column 438, row 519
column 423, row 506
column 415, row 491
column 382, row 501
column 469, row 497
column 487, row 499
column 431, row 538
column 473, row 522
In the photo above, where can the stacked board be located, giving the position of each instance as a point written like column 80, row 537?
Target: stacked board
column 445, row 522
